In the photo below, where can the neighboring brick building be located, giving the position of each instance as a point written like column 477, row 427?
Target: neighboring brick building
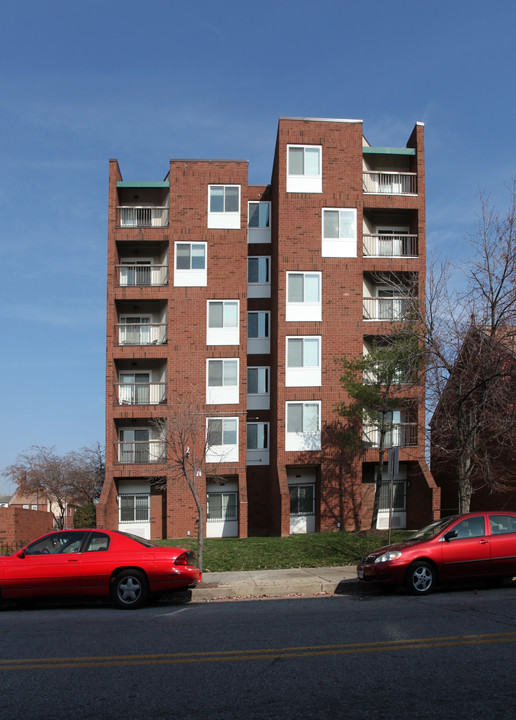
column 244, row 295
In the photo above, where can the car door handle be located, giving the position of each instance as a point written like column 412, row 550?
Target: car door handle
column 484, row 541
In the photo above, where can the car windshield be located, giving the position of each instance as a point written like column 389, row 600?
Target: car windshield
column 431, row 530
column 137, row 538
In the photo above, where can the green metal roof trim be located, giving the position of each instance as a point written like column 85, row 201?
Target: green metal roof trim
column 128, row 184
column 389, row 151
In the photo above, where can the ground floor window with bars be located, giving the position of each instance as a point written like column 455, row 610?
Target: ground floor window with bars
column 302, row 499
column 134, row 508
column 222, row 506
column 398, row 495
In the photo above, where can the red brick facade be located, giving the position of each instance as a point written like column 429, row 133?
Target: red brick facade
column 329, row 165
column 19, row 526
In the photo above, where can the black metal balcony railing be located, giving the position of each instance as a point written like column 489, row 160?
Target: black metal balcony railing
column 150, row 216
column 141, row 451
column 390, row 245
column 393, row 308
column 141, row 393
column 398, row 435
column 142, row 333
column 142, row 275
column 390, row 183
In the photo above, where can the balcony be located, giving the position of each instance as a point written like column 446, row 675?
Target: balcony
column 140, row 275
column 143, row 333
column 390, row 245
column 386, row 308
column 139, row 393
column 137, row 452
column 388, row 182
column 129, row 216
column 402, row 434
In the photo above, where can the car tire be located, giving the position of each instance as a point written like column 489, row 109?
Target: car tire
column 421, row 578
column 129, row 589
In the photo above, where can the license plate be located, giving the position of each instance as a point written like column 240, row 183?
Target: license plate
column 360, row 574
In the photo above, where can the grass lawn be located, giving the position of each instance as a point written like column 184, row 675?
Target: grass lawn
column 270, row 553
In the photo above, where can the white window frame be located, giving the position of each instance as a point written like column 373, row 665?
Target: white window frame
column 301, row 311
column 224, row 495
column 226, row 452
column 134, row 496
column 259, row 455
column 259, row 401
column 191, row 277
column 304, row 182
column 227, row 393
column 343, row 245
column 224, row 219
column 304, row 375
column 227, row 334
column 262, row 233
column 262, row 287
column 307, row 439
column 262, row 343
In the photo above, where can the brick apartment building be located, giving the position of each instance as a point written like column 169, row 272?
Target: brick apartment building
column 243, row 296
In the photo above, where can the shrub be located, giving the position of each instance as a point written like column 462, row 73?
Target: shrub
column 85, row 516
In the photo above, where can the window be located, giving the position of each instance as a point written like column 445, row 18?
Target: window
column 258, row 223
column 303, row 296
column 134, row 508
column 190, row 264
column 303, row 361
column 258, row 332
column 258, row 277
column 134, row 389
column 303, row 431
column 222, row 506
column 222, row 381
column 57, row 544
column 136, row 272
column 257, row 443
column 224, row 207
column 137, row 446
column 222, row 439
column 302, row 499
column 97, row 542
column 472, row 527
column 223, row 326
column 502, row 524
column 304, row 168
column 339, row 232
column 258, row 388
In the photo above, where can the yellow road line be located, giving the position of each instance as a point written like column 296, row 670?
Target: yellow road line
column 262, row 654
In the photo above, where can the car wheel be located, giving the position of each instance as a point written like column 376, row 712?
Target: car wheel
column 420, row 578
column 129, row 589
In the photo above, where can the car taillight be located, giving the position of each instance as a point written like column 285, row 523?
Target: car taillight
column 186, row 558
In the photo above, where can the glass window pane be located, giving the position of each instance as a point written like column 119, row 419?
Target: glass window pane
column 252, row 325
column 312, row 291
column 264, row 214
column 252, row 436
column 311, row 352
column 312, row 164
column 198, row 257
column 230, row 314
column 331, row 223
column 230, row 501
column 232, row 199
column 294, row 417
column 215, row 373
column 126, row 508
column 254, row 215
column 214, row 506
column 310, row 417
column 294, row 352
column 230, row 432
column 253, row 269
column 183, row 256
column 295, row 287
column 347, row 224
column 214, row 432
column 215, row 318
column 252, row 381
column 217, row 198
column 230, row 373
column 296, row 162
column 142, row 507
column 263, row 324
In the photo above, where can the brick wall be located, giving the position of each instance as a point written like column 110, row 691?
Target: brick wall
column 19, row 526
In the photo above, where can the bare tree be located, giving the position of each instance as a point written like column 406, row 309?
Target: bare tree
column 190, row 436
column 470, row 343
column 87, row 472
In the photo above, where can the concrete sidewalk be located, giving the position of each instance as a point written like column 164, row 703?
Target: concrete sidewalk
column 274, row 583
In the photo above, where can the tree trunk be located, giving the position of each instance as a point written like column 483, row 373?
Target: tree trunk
column 378, row 488
column 465, row 489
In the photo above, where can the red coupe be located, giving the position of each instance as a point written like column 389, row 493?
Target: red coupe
column 100, row 563
column 476, row 545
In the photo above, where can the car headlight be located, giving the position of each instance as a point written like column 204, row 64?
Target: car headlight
column 388, row 556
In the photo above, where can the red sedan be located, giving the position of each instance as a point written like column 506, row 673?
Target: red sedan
column 476, row 545
column 96, row 563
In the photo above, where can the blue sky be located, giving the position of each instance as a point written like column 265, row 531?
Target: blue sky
column 82, row 82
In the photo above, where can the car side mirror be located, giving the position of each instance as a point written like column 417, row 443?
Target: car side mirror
column 21, row 553
column 450, row 535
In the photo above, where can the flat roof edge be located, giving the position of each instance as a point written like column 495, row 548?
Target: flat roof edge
column 313, row 119
column 130, row 184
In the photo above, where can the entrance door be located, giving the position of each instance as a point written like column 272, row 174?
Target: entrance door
column 301, row 485
column 399, row 501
